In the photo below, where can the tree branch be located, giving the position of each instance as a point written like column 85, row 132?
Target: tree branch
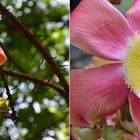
column 11, row 103
column 28, row 34
column 36, row 81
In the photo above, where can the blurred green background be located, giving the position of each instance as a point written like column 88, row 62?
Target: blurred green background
column 43, row 112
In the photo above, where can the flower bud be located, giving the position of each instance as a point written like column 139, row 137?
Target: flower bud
column 3, row 107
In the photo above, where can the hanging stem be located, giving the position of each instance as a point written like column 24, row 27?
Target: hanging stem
column 11, row 103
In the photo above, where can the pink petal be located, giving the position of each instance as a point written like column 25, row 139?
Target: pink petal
column 133, row 16
column 95, row 93
column 111, row 119
column 135, row 109
column 99, row 29
column 3, row 57
column 73, row 133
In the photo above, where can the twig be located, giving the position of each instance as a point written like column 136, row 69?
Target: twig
column 27, row 77
column 11, row 103
column 28, row 34
column 36, row 81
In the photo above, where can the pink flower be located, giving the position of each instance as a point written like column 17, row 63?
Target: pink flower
column 101, row 30
column 3, row 57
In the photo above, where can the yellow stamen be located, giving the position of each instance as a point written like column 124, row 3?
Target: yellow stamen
column 132, row 64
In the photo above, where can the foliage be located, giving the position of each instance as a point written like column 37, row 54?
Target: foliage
column 42, row 111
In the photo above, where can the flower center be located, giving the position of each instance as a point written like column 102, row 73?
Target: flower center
column 131, row 64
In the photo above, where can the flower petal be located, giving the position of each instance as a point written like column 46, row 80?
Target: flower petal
column 133, row 16
column 99, row 61
column 99, row 29
column 111, row 119
column 3, row 57
column 95, row 93
column 85, row 133
column 134, row 102
column 73, row 133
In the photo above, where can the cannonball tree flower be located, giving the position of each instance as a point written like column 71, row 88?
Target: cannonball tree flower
column 3, row 57
column 99, row 29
